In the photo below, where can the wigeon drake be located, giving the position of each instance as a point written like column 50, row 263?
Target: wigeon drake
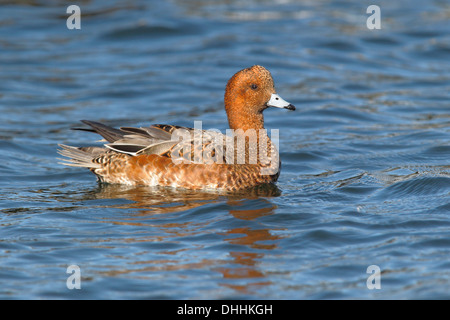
column 156, row 156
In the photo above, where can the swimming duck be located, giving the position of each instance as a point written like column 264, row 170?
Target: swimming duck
column 169, row 155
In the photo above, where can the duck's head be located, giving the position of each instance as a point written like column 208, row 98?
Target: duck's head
column 248, row 93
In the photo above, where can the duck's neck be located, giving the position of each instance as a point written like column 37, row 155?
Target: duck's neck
column 239, row 118
column 250, row 125
column 253, row 121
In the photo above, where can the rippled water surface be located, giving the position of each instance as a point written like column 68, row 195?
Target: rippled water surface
column 366, row 171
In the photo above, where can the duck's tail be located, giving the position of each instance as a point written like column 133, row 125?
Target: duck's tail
column 80, row 157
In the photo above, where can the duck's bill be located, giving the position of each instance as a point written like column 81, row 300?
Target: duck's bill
column 278, row 102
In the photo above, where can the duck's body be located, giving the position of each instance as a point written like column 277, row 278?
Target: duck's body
column 166, row 155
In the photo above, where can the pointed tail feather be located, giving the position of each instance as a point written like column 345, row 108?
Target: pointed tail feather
column 109, row 133
column 79, row 157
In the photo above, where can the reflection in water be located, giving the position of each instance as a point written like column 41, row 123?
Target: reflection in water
column 245, row 264
column 168, row 200
column 239, row 266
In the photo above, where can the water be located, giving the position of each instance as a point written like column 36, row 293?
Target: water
column 365, row 177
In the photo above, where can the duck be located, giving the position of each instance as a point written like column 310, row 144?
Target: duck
column 192, row 158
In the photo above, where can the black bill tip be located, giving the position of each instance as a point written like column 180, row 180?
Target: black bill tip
column 290, row 107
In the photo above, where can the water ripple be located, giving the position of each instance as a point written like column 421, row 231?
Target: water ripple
column 365, row 175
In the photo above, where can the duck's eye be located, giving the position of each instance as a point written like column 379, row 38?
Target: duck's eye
column 254, row 86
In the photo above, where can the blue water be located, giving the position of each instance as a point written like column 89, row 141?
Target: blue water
column 366, row 171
